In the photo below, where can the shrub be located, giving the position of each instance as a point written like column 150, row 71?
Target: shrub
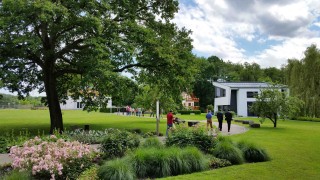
column 228, row 151
column 89, row 137
column 54, row 158
column 197, row 137
column 152, row 142
column 3, row 145
column 253, row 153
column 118, row 142
column 117, row 169
column 218, row 163
column 308, row 119
column 89, row 174
column 20, row 175
column 195, row 159
column 182, row 112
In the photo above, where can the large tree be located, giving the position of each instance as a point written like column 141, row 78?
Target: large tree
column 303, row 78
column 80, row 47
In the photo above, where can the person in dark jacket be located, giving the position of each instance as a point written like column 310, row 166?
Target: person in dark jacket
column 228, row 118
column 220, row 119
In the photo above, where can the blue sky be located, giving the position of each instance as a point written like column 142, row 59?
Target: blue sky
column 267, row 32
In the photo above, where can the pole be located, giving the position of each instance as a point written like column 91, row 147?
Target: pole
column 158, row 117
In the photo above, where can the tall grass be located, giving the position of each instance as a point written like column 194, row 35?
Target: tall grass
column 117, row 169
column 154, row 163
column 253, row 153
column 228, row 151
column 152, row 142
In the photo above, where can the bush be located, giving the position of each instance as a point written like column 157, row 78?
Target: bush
column 189, row 112
column 228, row 151
column 118, row 142
column 3, row 145
column 53, row 158
column 117, row 169
column 197, row 137
column 20, row 175
column 89, row 174
column 88, row 137
column 152, row 142
column 252, row 153
column 156, row 163
column 218, row 163
column 308, row 119
column 113, row 110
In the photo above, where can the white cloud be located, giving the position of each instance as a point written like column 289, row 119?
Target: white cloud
column 217, row 26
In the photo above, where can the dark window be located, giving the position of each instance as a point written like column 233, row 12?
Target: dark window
column 79, row 105
column 252, row 94
column 220, row 92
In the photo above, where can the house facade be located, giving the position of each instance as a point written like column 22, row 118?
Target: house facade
column 72, row 104
column 189, row 101
column 238, row 96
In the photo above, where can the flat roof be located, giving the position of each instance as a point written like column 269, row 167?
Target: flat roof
column 245, row 84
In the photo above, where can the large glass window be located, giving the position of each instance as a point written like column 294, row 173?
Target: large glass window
column 220, row 92
column 252, row 94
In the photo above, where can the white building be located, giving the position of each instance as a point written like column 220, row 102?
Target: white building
column 76, row 104
column 238, row 96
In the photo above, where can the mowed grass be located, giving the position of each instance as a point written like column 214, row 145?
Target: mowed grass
column 294, row 146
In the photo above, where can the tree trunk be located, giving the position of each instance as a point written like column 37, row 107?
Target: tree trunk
column 275, row 120
column 50, row 83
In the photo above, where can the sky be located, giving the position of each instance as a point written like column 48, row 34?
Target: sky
column 267, row 32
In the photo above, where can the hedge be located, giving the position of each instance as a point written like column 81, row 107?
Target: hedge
column 113, row 110
column 189, row 112
column 308, row 119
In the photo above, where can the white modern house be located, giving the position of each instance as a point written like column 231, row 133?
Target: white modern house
column 238, row 96
column 72, row 104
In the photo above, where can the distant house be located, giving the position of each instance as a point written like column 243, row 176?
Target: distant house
column 238, row 96
column 72, row 104
column 189, row 101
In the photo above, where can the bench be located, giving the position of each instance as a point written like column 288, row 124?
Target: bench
column 178, row 121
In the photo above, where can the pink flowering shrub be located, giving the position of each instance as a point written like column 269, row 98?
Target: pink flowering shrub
column 52, row 157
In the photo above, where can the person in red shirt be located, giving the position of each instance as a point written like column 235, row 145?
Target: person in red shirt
column 169, row 122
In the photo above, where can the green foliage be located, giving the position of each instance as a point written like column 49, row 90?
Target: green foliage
column 272, row 102
column 228, row 151
column 20, row 175
column 252, row 153
column 184, row 136
column 88, row 137
column 62, row 52
column 308, row 119
column 152, row 142
column 303, row 78
column 109, row 110
column 218, row 163
column 3, row 145
column 210, row 107
column 89, row 174
column 117, row 169
column 118, row 142
column 162, row 162
column 183, row 112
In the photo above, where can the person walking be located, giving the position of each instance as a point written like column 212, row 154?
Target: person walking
column 209, row 121
column 220, row 119
column 228, row 117
column 169, row 122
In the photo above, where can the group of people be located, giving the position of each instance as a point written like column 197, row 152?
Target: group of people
column 227, row 115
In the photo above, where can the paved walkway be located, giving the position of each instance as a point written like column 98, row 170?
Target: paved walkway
column 235, row 129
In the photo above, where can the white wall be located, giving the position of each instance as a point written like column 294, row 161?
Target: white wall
column 242, row 100
column 72, row 104
column 222, row 100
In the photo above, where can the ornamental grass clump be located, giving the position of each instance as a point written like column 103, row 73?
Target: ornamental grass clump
column 152, row 142
column 52, row 159
column 228, row 151
column 253, row 153
column 116, row 169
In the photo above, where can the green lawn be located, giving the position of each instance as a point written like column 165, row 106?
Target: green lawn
column 293, row 145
